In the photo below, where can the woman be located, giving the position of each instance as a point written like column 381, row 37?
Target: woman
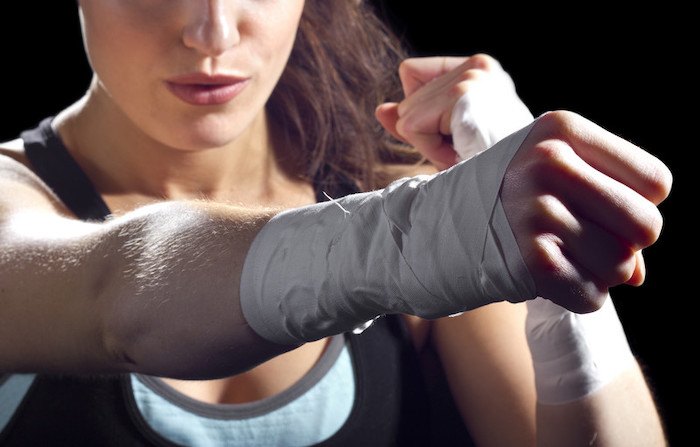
column 197, row 129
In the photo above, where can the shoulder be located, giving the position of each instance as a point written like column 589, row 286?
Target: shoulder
column 14, row 150
column 23, row 187
column 14, row 164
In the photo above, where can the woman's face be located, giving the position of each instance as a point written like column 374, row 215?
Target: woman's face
column 191, row 74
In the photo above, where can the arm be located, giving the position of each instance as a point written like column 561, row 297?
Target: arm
column 584, row 386
column 153, row 291
column 490, row 373
column 621, row 413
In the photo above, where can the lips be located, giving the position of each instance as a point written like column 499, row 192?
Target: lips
column 206, row 90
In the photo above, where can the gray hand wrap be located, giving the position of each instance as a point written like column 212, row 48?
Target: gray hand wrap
column 429, row 246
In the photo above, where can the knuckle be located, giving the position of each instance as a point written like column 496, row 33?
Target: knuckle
column 560, row 123
column 550, row 156
column 657, row 223
column 547, row 211
column 660, row 181
column 460, row 88
column 549, row 163
column 644, row 224
column 545, row 256
column 484, row 61
column 554, row 279
column 408, row 67
column 651, row 227
column 624, row 269
column 617, row 263
column 468, row 75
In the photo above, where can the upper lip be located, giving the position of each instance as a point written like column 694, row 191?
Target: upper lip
column 206, row 79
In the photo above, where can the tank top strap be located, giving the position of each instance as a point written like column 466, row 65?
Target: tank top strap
column 59, row 170
column 392, row 405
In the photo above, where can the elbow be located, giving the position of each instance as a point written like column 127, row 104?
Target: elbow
column 117, row 322
column 116, row 351
column 116, row 335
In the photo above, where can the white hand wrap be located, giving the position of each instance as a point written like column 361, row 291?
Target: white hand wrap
column 429, row 246
column 485, row 115
column 573, row 354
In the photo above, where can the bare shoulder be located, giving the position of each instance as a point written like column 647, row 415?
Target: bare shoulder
column 14, row 149
column 14, row 164
column 23, row 187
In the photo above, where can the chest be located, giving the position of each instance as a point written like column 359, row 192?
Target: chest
column 390, row 405
column 266, row 380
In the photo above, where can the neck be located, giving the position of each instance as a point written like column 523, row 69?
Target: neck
column 121, row 159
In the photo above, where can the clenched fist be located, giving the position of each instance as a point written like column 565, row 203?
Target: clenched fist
column 581, row 202
column 582, row 205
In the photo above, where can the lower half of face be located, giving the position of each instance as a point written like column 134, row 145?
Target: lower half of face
column 190, row 74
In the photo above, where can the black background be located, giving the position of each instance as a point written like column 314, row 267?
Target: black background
column 627, row 71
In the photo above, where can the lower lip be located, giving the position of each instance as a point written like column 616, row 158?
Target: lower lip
column 206, row 95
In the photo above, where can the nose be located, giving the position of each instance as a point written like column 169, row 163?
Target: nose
column 212, row 27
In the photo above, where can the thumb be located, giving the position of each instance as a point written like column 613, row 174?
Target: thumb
column 388, row 115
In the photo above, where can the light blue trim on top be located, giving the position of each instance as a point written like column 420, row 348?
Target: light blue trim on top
column 13, row 388
column 311, row 416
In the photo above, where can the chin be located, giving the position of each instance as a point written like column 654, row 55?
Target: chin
column 198, row 136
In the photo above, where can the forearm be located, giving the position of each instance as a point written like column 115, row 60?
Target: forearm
column 177, row 310
column 589, row 386
column 621, row 413
column 331, row 267
column 154, row 291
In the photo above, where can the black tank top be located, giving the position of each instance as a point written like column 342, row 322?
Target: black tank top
column 393, row 406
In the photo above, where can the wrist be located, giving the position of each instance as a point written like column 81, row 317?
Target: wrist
column 327, row 268
column 575, row 355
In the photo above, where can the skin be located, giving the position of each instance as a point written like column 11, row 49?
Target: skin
column 248, row 39
column 567, row 225
column 141, row 146
column 582, row 248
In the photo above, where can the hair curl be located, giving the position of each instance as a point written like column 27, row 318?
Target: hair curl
column 343, row 65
